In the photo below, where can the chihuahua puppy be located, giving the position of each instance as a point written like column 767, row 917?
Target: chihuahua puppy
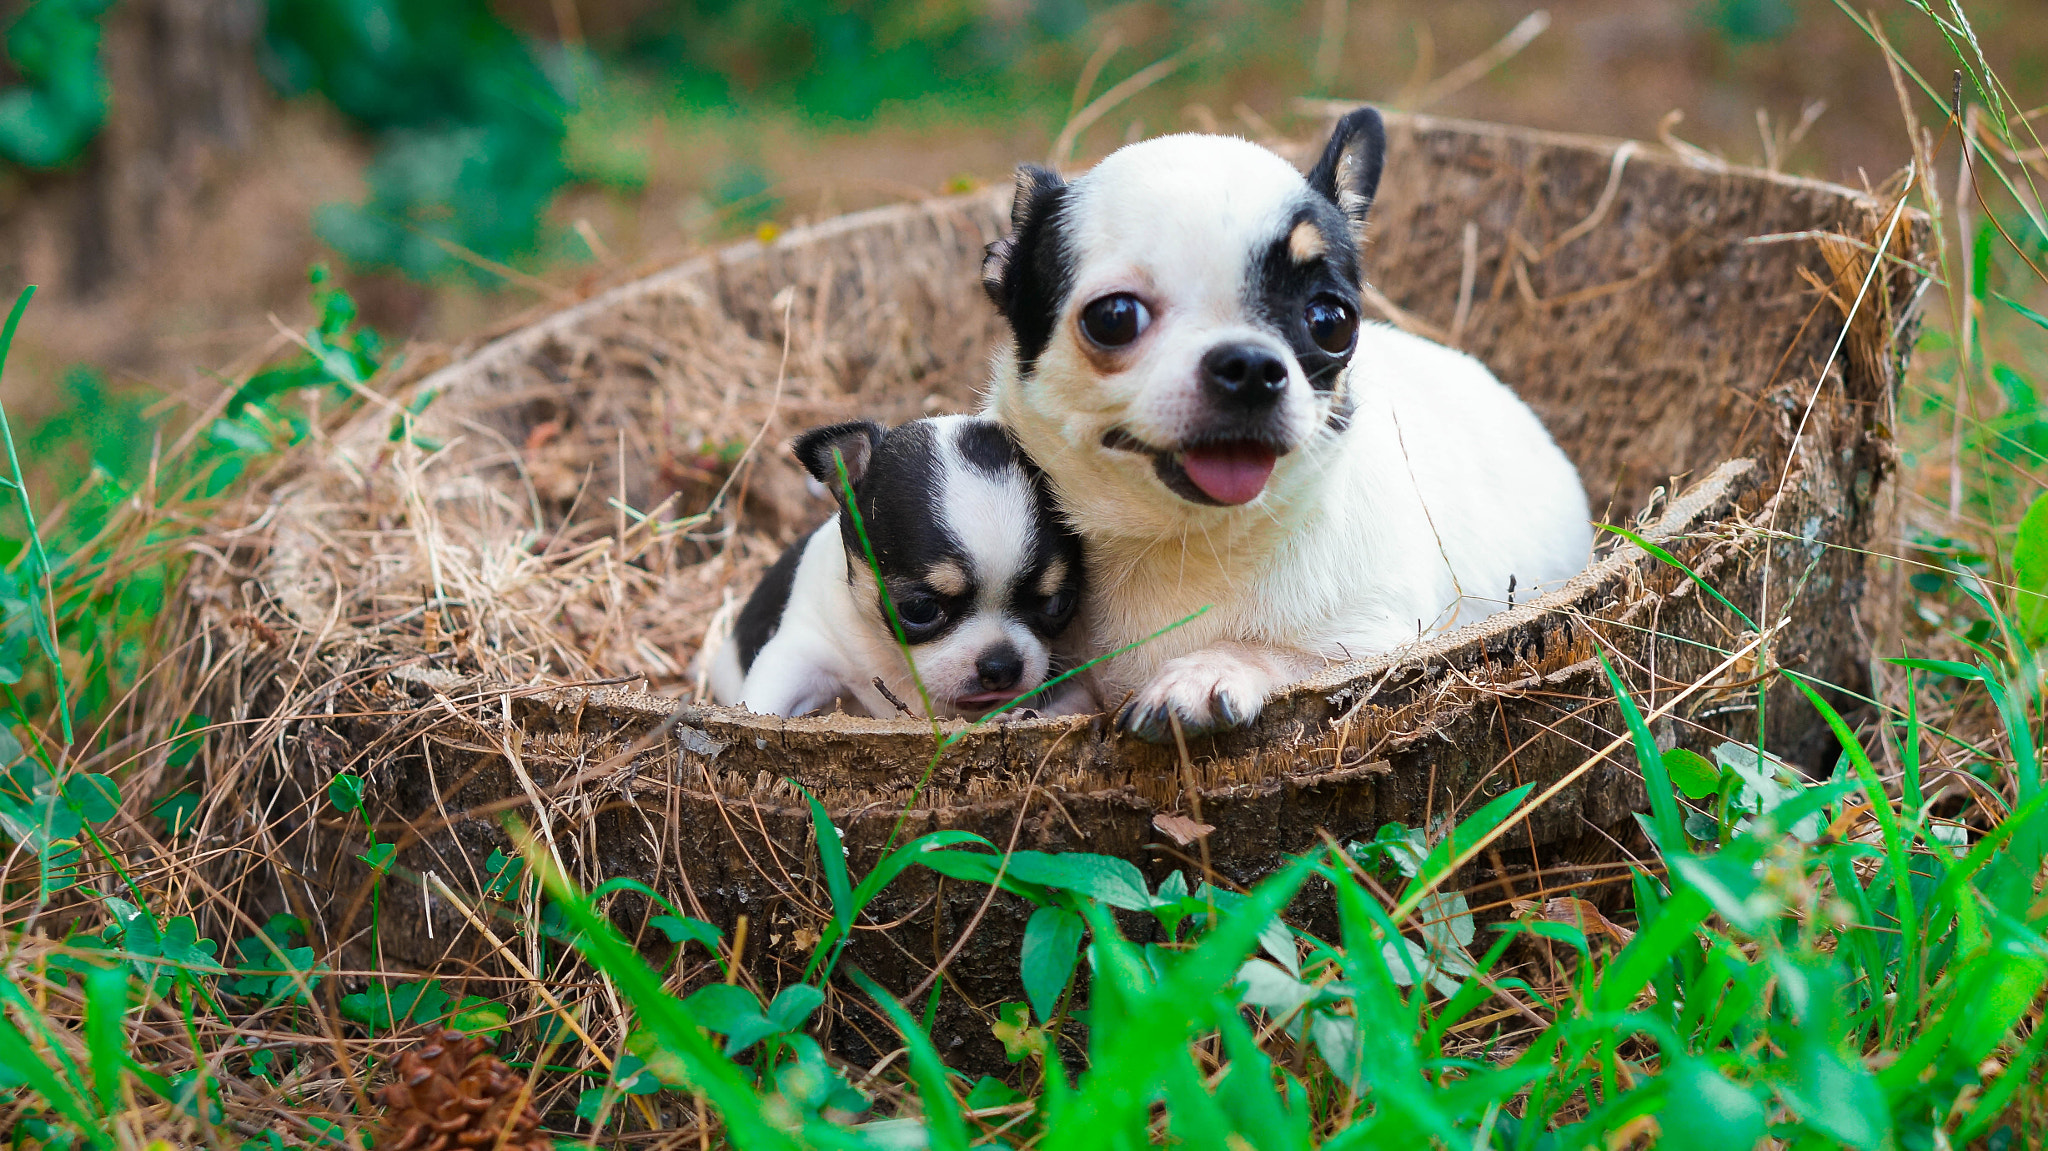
column 1191, row 369
column 980, row 569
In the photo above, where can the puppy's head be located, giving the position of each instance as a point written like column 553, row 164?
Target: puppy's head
column 1184, row 315
column 978, row 566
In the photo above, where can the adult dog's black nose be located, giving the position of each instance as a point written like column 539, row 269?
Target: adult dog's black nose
column 999, row 668
column 1244, row 376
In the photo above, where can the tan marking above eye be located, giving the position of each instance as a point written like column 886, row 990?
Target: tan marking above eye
column 1053, row 577
column 947, row 578
column 1306, row 242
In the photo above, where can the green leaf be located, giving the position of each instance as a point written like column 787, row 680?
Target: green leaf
column 793, row 1006
column 165, row 955
column 988, row 1091
column 478, row 1016
column 2002, row 988
column 1768, row 783
column 97, row 797
column 261, row 975
column 635, row 1077
column 1704, row 1111
column 1702, row 827
column 1114, row 881
column 683, row 929
column 505, row 873
column 178, row 810
column 1052, row 947
column 381, row 1009
column 1336, row 1040
column 1274, row 991
column 2030, row 571
column 185, row 744
column 1014, row 1030
column 723, row 1007
column 19, row 1056
column 1833, row 1096
column 345, row 792
column 1696, row 777
column 106, row 1001
column 735, row 1013
column 379, row 855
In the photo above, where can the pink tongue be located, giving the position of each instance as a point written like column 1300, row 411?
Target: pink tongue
column 1229, row 473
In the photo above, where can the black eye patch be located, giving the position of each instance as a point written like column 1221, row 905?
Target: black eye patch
column 1304, row 288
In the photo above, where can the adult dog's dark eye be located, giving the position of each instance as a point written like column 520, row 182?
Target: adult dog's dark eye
column 920, row 611
column 1114, row 321
column 1331, row 325
column 1057, row 604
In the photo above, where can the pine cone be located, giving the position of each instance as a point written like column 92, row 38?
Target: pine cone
column 451, row 1092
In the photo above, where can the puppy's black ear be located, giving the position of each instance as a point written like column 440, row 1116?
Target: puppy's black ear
column 1038, row 190
column 1348, row 175
column 855, row 442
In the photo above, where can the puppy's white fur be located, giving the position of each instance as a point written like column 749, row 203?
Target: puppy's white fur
column 1410, row 519
column 832, row 642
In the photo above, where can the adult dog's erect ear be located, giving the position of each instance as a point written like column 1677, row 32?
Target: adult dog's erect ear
column 854, row 441
column 1348, row 175
column 1038, row 189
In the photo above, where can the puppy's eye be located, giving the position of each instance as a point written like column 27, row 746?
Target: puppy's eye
column 1057, row 604
column 1114, row 321
column 919, row 611
column 1331, row 325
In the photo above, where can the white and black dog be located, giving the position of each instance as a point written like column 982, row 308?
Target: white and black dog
column 982, row 572
column 1191, row 370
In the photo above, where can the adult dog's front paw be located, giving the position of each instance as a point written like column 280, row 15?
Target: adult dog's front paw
column 1209, row 691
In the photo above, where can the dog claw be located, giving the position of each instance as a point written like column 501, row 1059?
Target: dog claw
column 1200, row 712
column 1226, row 710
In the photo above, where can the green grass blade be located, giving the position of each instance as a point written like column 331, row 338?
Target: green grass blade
column 35, row 540
column 2023, row 310
column 883, row 874
column 860, row 528
column 1064, row 676
column 1129, row 1060
column 1652, row 948
column 1469, row 831
column 1666, row 557
column 944, row 1124
column 19, row 1056
column 2012, row 887
column 1193, row 1116
column 832, row 860
column 1991, row 1106
column 106, row 1002
column 1897, row 854
column 709, row 1071
column 1663, row 805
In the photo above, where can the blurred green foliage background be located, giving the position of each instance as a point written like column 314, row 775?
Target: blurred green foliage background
column 477, row 115
column 168, row 179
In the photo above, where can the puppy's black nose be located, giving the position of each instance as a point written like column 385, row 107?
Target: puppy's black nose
column 1000, row 668
column 1245, row 376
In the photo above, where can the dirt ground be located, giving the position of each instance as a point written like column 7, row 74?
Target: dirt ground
column 199, row 260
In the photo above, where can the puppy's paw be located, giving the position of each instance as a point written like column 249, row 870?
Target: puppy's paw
column 1209, row 691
